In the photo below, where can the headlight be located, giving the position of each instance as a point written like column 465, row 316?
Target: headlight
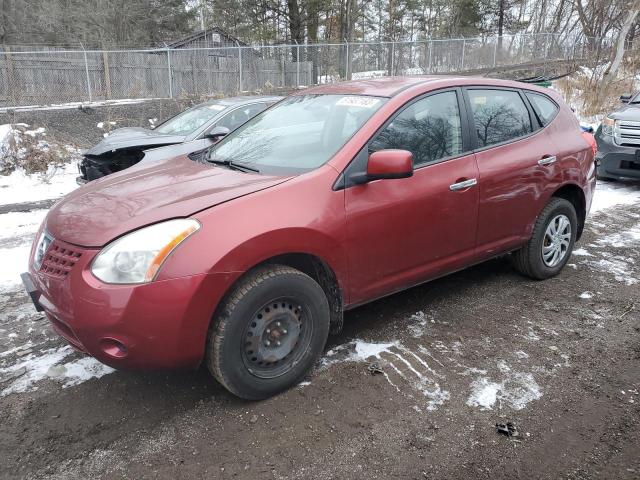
column 608, row 126
column 41, row 249
column 137, row 257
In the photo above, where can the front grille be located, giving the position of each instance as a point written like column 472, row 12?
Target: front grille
column 59, row 260
column 628, row 133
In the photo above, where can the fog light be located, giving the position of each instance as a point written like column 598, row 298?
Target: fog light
column 114, row 348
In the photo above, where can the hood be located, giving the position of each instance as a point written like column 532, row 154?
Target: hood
column 100, row 211
column 627, row 112
column 170, row 151
column 133, row 137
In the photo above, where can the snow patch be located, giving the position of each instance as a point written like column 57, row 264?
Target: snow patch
column 14, row 261
column 71, row 105
column 609, row 194
column 47, row 364
column 365, row 350
column 586, row 295
column 581, row 252
column 397, row 361
column 622, row 239
column 16, row 224
column 419, row 325
column 19, row 187
column 83, row 369
column 516, row 391
column 619, row 267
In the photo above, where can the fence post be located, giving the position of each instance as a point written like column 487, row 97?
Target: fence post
column 86, row 71
column 12, row 80
column 495, row 53
column 239, row 66
column 169, row 71
column 107, row 75
column 297, row 64
column 284, row 78
column 393, row 54
column 346, row 60
column 464, row 42
column 430, row 53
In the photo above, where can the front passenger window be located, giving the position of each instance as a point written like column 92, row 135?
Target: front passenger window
column 429, row 128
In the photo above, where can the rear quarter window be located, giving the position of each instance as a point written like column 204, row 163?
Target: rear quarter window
column 545, row 108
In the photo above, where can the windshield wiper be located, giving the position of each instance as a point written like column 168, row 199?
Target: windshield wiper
column 232, row 165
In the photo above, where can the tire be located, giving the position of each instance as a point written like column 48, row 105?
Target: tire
column 258, row 323
column 529, row 259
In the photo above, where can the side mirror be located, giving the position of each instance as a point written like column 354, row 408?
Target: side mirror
column 216, row 133
column 386, row 164
column 625, row 98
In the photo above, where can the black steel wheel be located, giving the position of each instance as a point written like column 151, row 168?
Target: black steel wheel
column 268, row 332
column 276, row 338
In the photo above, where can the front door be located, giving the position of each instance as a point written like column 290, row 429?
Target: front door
column 402, row 232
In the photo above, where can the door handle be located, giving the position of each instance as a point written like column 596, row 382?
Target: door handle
column 463, row 185
column 547, row 160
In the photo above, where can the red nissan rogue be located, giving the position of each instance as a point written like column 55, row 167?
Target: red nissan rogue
column 245, row 258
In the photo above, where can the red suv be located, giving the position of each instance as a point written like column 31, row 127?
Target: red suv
column 246, row 258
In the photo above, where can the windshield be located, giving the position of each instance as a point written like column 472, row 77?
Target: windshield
column 186, row 122
column 635, row 98
column 298, row 134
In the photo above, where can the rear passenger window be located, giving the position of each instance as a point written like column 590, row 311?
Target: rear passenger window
column 499, row 116
column 429, row 128
column 544, row 107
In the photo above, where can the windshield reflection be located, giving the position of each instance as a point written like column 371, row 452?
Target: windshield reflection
column 298, row 134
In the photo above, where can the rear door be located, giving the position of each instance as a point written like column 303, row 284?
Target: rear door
column 517, row 165
column 402, row 232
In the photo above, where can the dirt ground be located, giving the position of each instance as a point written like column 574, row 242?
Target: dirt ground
column 560, row 359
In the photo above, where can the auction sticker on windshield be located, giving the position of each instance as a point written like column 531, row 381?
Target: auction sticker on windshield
column 356, row 101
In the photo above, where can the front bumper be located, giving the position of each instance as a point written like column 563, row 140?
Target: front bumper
column 616, row 161
column 158, row 325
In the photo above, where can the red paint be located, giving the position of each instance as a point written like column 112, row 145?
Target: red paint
column 390, row 164
column 591, row 140
column 377, row 237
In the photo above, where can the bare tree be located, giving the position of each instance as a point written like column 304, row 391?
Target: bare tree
column 611, row 72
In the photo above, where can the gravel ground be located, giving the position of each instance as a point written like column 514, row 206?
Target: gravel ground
column 560, row 359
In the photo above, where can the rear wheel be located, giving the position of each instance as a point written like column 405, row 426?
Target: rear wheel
column 268, row 333
column 551, row 242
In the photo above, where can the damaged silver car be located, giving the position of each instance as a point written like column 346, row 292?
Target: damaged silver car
column 193, row 130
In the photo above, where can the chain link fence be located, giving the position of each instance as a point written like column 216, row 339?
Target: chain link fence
column 52, row 76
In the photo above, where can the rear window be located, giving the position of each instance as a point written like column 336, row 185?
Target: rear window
column 545, row 108
column 499, row 116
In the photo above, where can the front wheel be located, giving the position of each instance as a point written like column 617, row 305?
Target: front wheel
column 268, row 332
column 551, row 242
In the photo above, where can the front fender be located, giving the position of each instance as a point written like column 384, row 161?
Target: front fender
column 303, row 215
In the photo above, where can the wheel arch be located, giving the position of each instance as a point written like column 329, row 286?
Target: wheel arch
column 575, row 195
column 308, row 263
column 322, row 273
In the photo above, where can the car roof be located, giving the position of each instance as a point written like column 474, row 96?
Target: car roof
column 391, row 86
column 241, row 100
